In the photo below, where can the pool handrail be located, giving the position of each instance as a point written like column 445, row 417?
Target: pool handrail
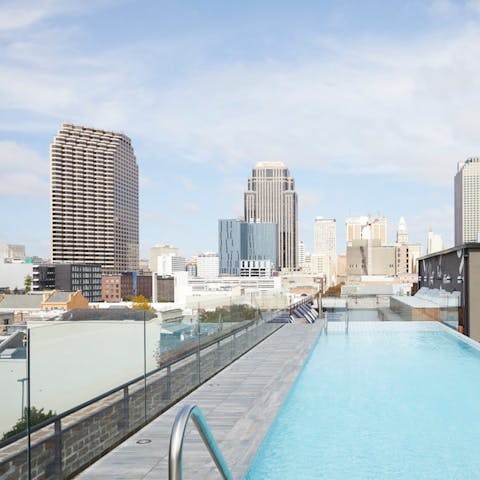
column 176, row 442
column 346, row 316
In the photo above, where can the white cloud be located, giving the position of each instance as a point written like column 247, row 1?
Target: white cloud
column 190, row 207
column 187, row 184
column 17, row 15
column 444, row 8
column 473, row 5
column 407, row 109
column 23, row 172
column 440, row 219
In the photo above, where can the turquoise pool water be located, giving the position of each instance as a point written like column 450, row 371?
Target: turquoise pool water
column 387, row 401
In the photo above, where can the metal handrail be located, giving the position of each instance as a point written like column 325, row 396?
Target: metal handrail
column 164, row 365
column 177, row 437
column 346, row 316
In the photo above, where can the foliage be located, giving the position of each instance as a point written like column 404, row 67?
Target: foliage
column 141, row 303
column 28, row 283
column 334, row 291
column 36, row 416
column 233, row 313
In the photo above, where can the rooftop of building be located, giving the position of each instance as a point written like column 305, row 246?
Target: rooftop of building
column 59, row 297
column 463, row 246
column 29, row 300
column 270, row 165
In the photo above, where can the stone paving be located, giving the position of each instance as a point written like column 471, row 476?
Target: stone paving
column 239, row 404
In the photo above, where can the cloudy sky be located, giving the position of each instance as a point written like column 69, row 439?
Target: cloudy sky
column 370, row 104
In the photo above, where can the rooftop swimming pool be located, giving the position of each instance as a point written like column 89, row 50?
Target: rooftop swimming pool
column 388, row 400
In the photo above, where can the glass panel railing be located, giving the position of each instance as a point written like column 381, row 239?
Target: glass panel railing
column 430, row 305
column 97, row 376
column 73, row 362
column 14, row 396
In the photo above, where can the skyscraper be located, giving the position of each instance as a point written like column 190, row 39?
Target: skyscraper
column 467, row 201
column 324, row 258
column 434, row 242
column 94, row 199
column 407, row 253
column 301, row 254
column 271, row 198
column 366, row 228
column 402, row 231
column 325, row 236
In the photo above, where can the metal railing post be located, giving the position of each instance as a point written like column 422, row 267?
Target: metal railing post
column 29, row 426
column 58, row 447
column 169, row 382
column 126, row 408
column 198, row 365
column 177, row 437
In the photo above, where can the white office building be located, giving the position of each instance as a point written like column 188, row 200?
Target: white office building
column 207, row 265
column 323, row 261
column 10, row 253
column 301, row 254
column 169, row 263
column 467, row 201
column 157, row 251
column 366, row 228
column 434, row 242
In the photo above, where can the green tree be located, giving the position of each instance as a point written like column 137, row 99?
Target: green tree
column 28, row 283
column 36, row 416
column 234, row 313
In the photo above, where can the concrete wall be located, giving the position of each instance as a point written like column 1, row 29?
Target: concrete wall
column 12, row 275
column 474, row 294
column 383, row 261
column 98, row 356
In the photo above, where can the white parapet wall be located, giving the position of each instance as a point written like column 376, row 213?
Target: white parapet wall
column 12, row 275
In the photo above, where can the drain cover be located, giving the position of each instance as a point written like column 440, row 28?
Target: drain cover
column 143, row 441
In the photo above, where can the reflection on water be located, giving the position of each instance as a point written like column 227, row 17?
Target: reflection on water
column 354, row 315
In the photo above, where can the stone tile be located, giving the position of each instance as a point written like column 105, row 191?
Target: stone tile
column 239, row 404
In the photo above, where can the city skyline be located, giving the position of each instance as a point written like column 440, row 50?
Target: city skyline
column 365, row 122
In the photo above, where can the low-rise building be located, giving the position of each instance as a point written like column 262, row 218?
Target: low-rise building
column 64, row 301
column 32, row 302
column 124, row 286
column 256, row 268
column 207, row 265
column 69, row 277
column 165, row 289
column 370, row 257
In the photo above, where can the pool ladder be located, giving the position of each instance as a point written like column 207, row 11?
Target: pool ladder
column 325, row 322
column 178, row 435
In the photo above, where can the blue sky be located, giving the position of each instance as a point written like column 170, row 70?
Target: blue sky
column 370, row 104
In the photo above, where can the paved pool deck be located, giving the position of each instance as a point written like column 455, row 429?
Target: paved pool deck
column 239, row 404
